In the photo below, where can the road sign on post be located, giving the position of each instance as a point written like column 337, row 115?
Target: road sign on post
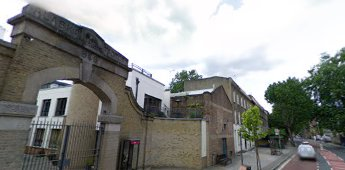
column 276, row 131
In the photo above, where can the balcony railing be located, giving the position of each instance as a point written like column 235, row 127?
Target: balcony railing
column 186, row 113
column 141, row 70
column 154, row 111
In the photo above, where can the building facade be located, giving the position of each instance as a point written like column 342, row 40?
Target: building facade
column 263, row 113
column 239, row 99
column 148, row 92
column 53, row 103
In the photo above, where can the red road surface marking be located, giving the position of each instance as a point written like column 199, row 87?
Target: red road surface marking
column 333, row 160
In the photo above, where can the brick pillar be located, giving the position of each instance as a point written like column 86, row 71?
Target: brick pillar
column 15, row 119
column 110, row 141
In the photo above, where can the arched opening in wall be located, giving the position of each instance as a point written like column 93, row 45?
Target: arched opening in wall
column 65, row 132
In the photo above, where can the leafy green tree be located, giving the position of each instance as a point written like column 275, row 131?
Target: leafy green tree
column 326, row 84
column 292, row 107
column 251, row 129
column 177, row 83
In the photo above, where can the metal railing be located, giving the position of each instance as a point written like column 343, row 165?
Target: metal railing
column 58, row 146
column 141, row 70
column 154, row 111
column 186, row 113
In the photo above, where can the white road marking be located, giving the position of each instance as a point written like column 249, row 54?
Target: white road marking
column 286, row 162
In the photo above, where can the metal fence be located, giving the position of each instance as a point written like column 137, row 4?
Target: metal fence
column 186, row 113
column 56, row 145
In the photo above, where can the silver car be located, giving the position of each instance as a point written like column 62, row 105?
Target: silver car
column 306, row 151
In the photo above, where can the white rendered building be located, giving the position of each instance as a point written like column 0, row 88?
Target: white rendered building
column 53, row 103
column 148, row 92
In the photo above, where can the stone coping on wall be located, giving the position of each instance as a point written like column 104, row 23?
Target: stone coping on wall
column 182, row 119
column 110, row 119
column 7, row 44
column 17, row 109
column 77, row 34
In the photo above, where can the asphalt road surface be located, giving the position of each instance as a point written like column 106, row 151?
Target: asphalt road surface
column 295, row 163
column 329, row 156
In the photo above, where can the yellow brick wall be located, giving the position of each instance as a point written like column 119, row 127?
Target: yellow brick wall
column 83, row 106
column 176, row 143
column 30, row 57
column 6, row 55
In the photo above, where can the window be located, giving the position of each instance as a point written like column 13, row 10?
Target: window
column 54, row 138
column 61, row 107
column 152, row 104
column 38, row 137
column 234, row 96
column 239, row 119
column 45, row 107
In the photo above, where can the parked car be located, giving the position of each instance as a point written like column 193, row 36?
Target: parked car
column 297, row 139
column 306, row 151
column 326, row 138
column 318, row 137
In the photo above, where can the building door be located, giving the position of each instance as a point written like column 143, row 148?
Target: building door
column 224, row 146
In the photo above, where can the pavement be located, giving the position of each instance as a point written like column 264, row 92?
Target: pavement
column 268, row 161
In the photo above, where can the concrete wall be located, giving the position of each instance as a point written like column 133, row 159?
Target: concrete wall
column 175, row 143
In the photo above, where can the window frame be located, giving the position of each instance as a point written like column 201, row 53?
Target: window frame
column 45, row 107
column 39, row 137
column 60, row 108
column 54, row 138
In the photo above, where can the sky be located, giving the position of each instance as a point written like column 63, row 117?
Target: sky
column 254, row 42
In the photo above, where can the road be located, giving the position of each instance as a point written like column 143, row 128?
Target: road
column 329, row 156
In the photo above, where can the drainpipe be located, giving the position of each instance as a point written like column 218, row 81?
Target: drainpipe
column 136, row 88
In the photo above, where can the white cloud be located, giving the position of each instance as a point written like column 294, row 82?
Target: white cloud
column 276, row 39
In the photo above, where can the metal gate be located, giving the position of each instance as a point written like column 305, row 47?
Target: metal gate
column 57, row 146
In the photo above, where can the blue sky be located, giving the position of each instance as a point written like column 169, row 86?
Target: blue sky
column 254, row 42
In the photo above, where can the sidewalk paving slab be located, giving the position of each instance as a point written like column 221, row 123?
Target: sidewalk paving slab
column 268, row 161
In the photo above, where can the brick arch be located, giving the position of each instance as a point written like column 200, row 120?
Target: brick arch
column 47, row 47
column 95, row 84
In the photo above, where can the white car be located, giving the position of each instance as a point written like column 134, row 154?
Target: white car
column 306, row 151
column 326, row 138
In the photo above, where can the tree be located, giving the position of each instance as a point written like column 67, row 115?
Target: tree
column 251, row 129
column 177, row 83
column 326, row 84
column 292, row 107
